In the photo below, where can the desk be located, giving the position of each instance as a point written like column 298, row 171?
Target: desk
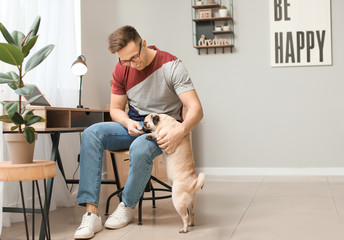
column 59, row 120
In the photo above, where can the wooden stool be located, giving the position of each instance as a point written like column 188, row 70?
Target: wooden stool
column 38, row 170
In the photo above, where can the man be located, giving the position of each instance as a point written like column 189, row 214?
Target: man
column 150, row 81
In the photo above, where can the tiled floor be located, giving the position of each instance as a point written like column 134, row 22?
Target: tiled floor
column 229, row 207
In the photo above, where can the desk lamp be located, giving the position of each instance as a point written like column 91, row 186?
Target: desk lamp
column 79, row 68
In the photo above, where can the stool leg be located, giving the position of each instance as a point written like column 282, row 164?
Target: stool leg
column 118, row 184
column 24, row 210
column 153, row 194
column 33, row 210
column 47, row 209
column 115, row 171
column 45, row 220
column 118, row 192
column 140, row 210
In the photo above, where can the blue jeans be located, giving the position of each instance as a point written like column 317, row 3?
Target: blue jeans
column 113, row 136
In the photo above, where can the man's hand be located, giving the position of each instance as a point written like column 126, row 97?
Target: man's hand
column 134, row 128
column 168, row 142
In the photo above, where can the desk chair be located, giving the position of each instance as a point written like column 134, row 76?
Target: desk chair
column 38, row 170
column 149, row 187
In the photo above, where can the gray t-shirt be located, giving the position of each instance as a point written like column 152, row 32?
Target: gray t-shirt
column 154, row 89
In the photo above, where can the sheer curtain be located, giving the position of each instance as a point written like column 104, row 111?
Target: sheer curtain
column 54, row 78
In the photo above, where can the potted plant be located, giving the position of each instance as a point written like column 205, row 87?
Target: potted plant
column 199, row 2
column 223, row 11
column 218, row 28
column 209, row 1
column 14, row 52
column 225, row 26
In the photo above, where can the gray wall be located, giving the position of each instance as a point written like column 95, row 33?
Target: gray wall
column 255, row 116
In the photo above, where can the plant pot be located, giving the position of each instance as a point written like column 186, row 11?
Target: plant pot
column 218, row 29
column 199, row 2
column 225, row 28
column 20, row 150
column 223, row 12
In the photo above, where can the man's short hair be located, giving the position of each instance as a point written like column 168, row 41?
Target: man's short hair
column 121, row 37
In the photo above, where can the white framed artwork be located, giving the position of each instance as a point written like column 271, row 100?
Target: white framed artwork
column 300, row 33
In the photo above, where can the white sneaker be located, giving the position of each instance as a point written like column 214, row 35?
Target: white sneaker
column 121, row 217
column 91, row 224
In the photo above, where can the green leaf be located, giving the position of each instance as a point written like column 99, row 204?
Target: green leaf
column 12, row 108
column 4, row 78
column 35, row 26
column 18, row 38
column 17, row 118
column 14, row 85
column 28, row 114
column 13, row 75
column 38, row 57
column 14, row 127
column 27, row 46
column 29, row 133
column 26, row 90
column 6, row 34
column 33, row 30
column 11, row 54
column 31, row 100
column 33, row 119
column 6, row 119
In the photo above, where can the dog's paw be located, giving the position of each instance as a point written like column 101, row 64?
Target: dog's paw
column 149, row 137
column 183, row 231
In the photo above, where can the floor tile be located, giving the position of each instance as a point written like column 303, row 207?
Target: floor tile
column 228, row 207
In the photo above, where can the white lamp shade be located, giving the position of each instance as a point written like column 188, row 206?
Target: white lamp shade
column 79, row 69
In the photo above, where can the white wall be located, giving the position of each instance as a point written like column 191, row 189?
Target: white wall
column 255, row 116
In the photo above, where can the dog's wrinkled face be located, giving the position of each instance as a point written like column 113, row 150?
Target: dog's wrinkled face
column 150, row 123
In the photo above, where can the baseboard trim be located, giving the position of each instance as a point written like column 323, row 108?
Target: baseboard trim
column 272, row 171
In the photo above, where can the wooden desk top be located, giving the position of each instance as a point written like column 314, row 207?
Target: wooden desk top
column 39, row 169
column 65, row 119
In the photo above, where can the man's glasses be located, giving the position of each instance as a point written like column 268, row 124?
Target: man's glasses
column 134, row 59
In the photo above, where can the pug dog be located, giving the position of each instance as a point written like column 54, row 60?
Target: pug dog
column 180, row 167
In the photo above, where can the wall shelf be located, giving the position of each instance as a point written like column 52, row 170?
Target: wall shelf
column 205, row 17
column 215, row 47
column 213, row 5
column 212, row 19
column 223, row 32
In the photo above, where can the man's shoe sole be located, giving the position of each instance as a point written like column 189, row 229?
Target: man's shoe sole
column 88, row 236
column 117, row 227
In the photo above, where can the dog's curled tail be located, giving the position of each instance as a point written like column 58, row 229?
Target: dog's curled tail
column 200, row 181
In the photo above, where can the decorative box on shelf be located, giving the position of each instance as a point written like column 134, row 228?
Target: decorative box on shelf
column 204, row 13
